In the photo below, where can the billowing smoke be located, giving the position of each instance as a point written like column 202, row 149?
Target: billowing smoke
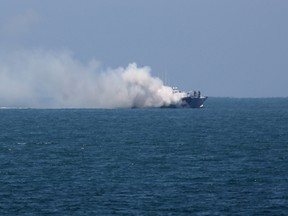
column 57, row 80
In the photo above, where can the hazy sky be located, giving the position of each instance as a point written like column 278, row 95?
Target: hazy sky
column 224, row 48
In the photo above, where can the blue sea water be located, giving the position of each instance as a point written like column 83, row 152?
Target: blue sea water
column 230, row 158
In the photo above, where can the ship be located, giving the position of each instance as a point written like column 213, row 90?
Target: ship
column 192, row 99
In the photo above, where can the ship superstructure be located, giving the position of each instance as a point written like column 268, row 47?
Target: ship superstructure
column 192, row 99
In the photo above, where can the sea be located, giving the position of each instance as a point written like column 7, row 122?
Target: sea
column 229, row 158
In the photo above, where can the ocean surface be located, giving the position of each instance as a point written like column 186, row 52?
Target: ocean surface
column 230, row 158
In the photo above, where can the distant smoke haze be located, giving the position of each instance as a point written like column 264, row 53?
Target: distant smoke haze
column 57, row 80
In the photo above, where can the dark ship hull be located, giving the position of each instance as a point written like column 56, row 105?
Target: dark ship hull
column 188, row 102
column 191, row 102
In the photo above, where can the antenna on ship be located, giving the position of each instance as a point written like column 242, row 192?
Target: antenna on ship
column 166, row 79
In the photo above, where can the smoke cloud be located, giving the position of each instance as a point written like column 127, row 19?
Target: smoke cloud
column 57, row 80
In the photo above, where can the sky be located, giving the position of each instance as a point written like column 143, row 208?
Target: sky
column 223, row 48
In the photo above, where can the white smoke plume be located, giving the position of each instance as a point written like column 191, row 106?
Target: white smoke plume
column 57, row 80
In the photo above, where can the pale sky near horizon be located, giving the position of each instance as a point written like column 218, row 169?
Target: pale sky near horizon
column 223, row 48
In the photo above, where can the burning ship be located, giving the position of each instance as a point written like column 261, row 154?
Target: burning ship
column 192, row 99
